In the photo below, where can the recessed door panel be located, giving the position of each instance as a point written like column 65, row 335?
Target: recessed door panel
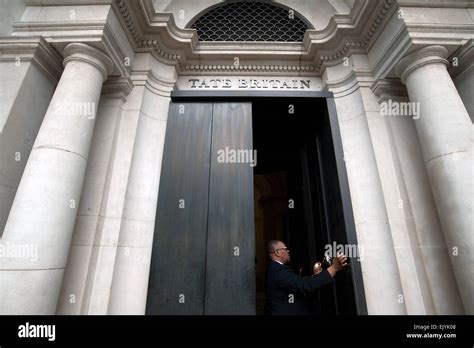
column 230, row 265
column 204, row 243
column 177, row 274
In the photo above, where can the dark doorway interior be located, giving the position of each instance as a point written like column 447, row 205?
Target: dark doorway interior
column 209, row 241
column 296, row 195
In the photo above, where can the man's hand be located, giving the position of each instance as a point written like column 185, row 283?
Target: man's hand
column 338, row 263
column 317, row 268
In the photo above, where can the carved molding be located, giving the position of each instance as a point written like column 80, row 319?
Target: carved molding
column 463, row 58
column 158, row 33
column 419, row 58
column 88, row 54
column 386, row 89
column 34, row 49
column 230, row 68
column 117, row 87
column 160, row 51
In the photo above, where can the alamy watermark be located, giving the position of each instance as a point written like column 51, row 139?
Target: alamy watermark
column 396, row 108
column 228, row 155
column 86, row 109
column 19, row 251
column 28, row 330
column 350, row 250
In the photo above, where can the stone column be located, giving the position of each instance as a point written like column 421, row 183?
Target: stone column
column 445, row 133
column 44, row 210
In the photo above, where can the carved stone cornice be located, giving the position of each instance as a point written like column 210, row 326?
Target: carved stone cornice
column 462, row 59
column 99, row 33
column 133, row 26
column 436, row 3
column 117, row 87
column 386, row 89
column 34, row 49
column 159, row 34
column 410, row 34
column 346, row 34
column 229, row 69
column 65, row 2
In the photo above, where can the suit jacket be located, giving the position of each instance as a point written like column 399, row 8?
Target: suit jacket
column 281, row 281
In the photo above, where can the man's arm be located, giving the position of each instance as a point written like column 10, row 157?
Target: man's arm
column 290, row 281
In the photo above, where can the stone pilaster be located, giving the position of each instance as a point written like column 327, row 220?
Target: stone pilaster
column 128, row 292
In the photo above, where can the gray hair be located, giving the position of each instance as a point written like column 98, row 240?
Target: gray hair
column 271, row 246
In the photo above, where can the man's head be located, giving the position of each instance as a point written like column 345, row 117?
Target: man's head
column 278, row 251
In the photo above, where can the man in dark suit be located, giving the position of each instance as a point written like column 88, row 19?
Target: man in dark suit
column 285, row 289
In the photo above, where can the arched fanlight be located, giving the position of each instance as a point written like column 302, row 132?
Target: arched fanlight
column 250, row 21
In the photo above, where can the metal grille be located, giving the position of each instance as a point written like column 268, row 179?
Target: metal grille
column 250, row 21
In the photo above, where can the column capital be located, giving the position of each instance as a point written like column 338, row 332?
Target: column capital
column 85, row 53
column 423, row 56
